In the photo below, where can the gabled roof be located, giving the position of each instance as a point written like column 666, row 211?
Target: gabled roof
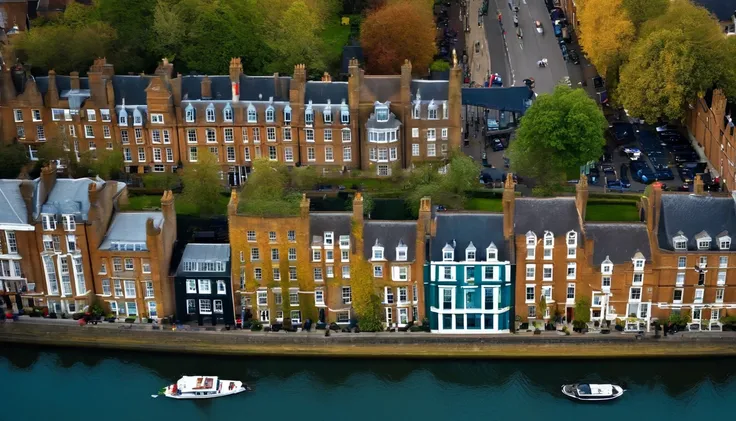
column 198, row 252
column 380, row 88
column 70, row 197
column 390, row 234
column 131, row 89
column 693, row 214
column 430, row 89
column 620, row 242
column 558, row 215
column 12, row 206
column 481, row 229
column 130, row 227
column 320, row 92
column 338, row 222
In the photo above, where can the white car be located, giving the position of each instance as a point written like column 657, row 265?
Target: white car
column 633, row 153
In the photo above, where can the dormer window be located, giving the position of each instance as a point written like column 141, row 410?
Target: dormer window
column 470, row 252
column 377, row 252
column 309, row 114
column 189, row 111
column 137, row 118
column 607, row 267
column 252, row 116
column 123, row 117
column 703, row 244
column 227, row 113
column 531, row 239
column 344, row 113
column 416, row 111
column 680, row 242
column 381, row 113
column 329, row 239
column 270, row 114
column 549, row 239
column 572, row 239
column 344, row 241
column 327, row 114
column 448, row 253
column 432, row 110
column 724, row 243
column 401, row 252
column 210, row 113
column 287, row 114
column 638, row 264
column 492, row 253
column 445, row 110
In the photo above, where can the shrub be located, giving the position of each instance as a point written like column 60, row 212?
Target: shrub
column 163, row 181
column 130, row 320
column 256, row 326
column 439, row 66
column 77, row 316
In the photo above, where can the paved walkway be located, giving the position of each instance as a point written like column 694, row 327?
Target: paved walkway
column 477, row 44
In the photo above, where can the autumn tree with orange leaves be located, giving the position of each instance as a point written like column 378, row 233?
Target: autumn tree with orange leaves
column 397, row 31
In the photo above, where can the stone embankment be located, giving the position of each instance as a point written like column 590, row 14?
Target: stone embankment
column 367, row 345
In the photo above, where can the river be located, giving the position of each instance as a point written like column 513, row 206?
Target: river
column 72, row 384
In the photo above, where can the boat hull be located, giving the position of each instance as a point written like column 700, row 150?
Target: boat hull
column 570, row 392
column 225, row 390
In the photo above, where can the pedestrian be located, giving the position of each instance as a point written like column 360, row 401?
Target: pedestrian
column 516, row 21
column 499, row 17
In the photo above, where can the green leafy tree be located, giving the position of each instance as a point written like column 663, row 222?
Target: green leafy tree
column 296, row 39
column 542, row 306
column 445, row 188
column 606, row 34
column 581, row 312
column 304, row 178
column 107, row 164
column 640, row 11
column 679, row 56
column 267, row 191
column 14, row 158
column 202, row 184
column 561, row 130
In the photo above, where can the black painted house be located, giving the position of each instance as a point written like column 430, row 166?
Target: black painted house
column 202, row 285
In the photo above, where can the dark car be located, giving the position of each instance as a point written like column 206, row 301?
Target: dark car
column 664, row 174
column 594, row 175
column 684, row 187
column 682, row 157
column 529, row 82
column 624, row 176
column 608, row 171
column 622, row 133
column 497, row 145
column 641, row 172
column 615, row 186
column 695, row 167
column 686, row 175
column 574, row 57
column 680, row 149
column 711, row 183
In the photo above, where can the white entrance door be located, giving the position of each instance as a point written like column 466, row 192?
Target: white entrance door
column 403, row 316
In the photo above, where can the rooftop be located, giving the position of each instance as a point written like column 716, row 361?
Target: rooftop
column 389, row 234
column 691, row 214
column 70, row 196
column 460, row 229
column 618, row 242
column 558, row 215
column 130, row 227
column 199, row 252
column 12, row 206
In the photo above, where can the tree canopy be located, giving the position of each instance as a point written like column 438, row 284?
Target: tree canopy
column 640, row 11
column 196, row 35
column 268, row 191
column 398, row 31
column 560, row 131
column 446, row 188
column 606, row 33
column 14, row 158
column 680, row 55
column 201, row 182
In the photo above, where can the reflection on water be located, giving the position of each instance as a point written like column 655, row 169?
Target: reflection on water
column 675, row 386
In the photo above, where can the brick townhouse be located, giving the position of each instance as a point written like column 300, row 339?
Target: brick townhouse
column 163, row 121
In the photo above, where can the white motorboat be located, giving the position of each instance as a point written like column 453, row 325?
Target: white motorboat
column 202, row 387
column 593, row 392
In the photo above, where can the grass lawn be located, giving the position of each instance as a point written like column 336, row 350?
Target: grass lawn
column 487, row 205
column 613, row 212
column 137, row 203
column 365, row 183
column 335, row 36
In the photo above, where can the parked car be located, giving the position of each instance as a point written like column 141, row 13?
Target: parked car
column 632, row 153
column 682, row 157
column 695, row 167
column 497, row 145
column 641, row 172
column 679, row 149
column 594, row 175
column 622, row 133
column 608, row 171
column 686, row 175
column 615, row 186
column 684, row 187
column 624, row 176
column 710, row 183
column 664, row 173
column 574, row 57
column 666, row 128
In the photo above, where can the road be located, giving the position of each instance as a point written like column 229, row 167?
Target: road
column 523, row 55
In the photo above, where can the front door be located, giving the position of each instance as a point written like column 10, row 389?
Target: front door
column 568, row 314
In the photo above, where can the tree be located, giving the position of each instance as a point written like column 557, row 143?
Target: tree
column 543, row 306
column 581, row 312
column 296, row 39
column 445, row 188
column 304, row 178
column 202, row 183
column 107, row 164
column 267, row 191
column 559, row 131
column 14, row 157
column 640, row 11
column 679, row 56
column 398, row 31
column 606, row 33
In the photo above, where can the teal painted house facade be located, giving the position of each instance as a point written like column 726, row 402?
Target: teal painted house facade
column 468, row 277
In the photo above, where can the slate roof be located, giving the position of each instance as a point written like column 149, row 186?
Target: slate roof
column 70, row 196
column 132, row 89
column 481, row 229
column 514, row 99
column 12, row 206
column 380, row 88
column 618, row 242
column 321, row 92
column 392, row 123
column 691, row 214
column 430, row 89
column 198, row 252
column 558, row 215
column 261, row 88
column 388, row 234
column 338, row 222
column 130, row 227
column 220, row 87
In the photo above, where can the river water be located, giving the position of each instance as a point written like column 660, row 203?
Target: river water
column 73, row 384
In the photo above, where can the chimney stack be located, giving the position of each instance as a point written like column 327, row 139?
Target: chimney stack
column 326, row 77
column 509, row 204
column 74, row 80
column 698, row 187
column 581, row 196
column 206, row 88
